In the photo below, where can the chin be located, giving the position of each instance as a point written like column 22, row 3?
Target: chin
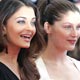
column 26, row 46
column 71, row 48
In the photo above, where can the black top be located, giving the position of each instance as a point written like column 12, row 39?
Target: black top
column 6, row 73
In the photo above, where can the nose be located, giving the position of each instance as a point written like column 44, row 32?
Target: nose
column 30, row 27
column 74, row 33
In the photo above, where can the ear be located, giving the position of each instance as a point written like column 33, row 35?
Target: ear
column 4, row 30
column 47, row 27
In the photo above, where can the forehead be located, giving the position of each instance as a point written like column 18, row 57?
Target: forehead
column 24, row 11
column 72, row 17
column 78, row 5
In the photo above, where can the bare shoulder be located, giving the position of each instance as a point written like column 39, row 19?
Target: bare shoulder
column 76, row 62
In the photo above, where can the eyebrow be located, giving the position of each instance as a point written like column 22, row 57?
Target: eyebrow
column 25, row 17
column 21, row 17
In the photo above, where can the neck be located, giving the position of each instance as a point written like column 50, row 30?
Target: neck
column 11, row 56
column 10, row 59
column 53, row 54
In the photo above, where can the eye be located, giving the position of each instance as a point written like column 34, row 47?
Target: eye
column 78, row 27
column 21, row 22
column 33, row 23
column 67, row 26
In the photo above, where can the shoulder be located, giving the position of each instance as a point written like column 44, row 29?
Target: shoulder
column 6, row 73
column 39, row 64
column 2, row 72
column 76, row 63
column 42, row 69
column 2, row 75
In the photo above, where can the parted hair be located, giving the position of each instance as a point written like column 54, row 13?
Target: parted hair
column 26, row 57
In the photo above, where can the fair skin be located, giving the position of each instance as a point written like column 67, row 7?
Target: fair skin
column 20, row 29
column 62, row 37
column 78, row 5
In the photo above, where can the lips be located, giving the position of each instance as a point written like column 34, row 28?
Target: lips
column 72, row 41
column 26, row 37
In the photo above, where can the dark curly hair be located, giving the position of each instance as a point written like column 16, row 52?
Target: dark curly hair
column 26, row 57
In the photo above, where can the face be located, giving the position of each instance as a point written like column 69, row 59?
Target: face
column 20, row 28
column 65, row 33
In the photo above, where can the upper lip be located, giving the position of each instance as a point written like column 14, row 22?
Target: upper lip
column 26, row 35
column 73, row 40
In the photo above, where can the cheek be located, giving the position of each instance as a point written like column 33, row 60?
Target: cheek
column 78, row 34
column 60, row 37
column 60, row 40
column 34, row 31
column 12, row 33
column 61, row 34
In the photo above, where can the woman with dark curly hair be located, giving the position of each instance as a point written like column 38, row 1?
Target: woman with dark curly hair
column 20, row 40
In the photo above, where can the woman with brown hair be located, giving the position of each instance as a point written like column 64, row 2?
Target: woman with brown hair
column 61, row 22
column 20, row 40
